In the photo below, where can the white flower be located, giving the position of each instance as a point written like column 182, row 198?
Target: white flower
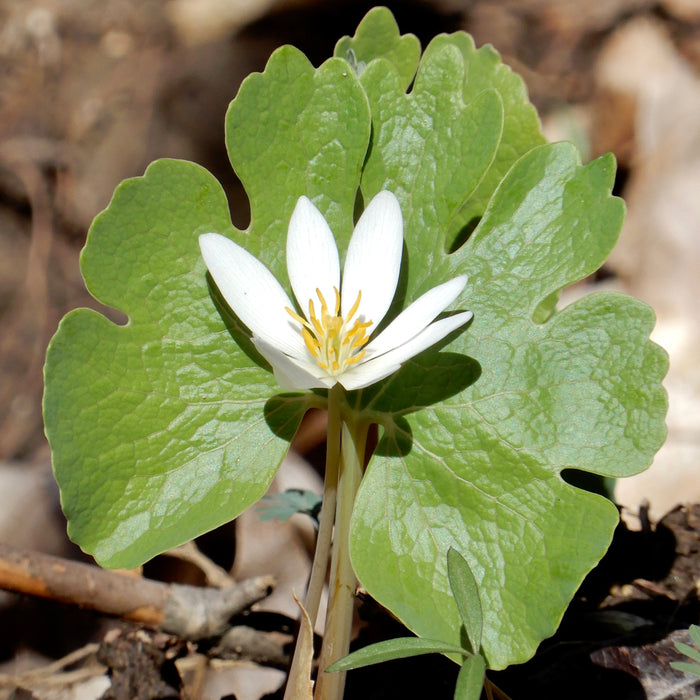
column 331, row 341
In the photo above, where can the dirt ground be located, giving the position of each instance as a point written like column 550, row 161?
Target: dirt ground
column 91, row 92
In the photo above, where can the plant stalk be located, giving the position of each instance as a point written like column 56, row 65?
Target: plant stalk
column 336, row 638
column 298, row 674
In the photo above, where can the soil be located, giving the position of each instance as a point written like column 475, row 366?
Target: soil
column 617, row 637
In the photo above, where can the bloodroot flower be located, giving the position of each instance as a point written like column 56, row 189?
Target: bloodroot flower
column 329, row 338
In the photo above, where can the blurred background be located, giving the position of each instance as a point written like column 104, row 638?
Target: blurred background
column 91, row 91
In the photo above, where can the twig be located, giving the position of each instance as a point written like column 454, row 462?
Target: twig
column 265, row 648
column 214, row 574
column 240, row 642
column 187, row 611
column 45, row 672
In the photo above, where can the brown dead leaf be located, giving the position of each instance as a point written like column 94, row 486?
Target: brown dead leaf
column 299, row 685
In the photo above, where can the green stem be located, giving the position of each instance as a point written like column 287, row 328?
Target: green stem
column 336, row 637
column 298, row 675
column 327, row 514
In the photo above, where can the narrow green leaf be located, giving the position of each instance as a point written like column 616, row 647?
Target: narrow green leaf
column 688, row 651
column 470, row 679
column 686, row 667
column 393, row 649
column 694, row 632
column 466, row 594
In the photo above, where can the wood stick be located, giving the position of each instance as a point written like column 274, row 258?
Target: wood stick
column 187, row 611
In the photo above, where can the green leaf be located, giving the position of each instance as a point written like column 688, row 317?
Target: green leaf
column 479, row 467
column 691, row 669
column 282, row 506
column 171, row 425
column 452, row 71
column 688, row 651
column 432, row 148
column 377, row 36
column 153, row 424
column 521, row 125
column 466, row 595
column 294, row 130
column 391, row 649
column 470, row 679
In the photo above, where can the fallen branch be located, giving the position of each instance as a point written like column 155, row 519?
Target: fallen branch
column 190, row 612
column 250, row 644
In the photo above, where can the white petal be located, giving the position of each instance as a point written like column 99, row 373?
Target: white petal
column 415, row 317
column 366, row 374
column 378, row 368
column 373, row 261
column 252, row 292
column 312, row 256
column 290, row 374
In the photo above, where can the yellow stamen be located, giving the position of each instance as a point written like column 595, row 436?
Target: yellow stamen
column 324, row 306
column 355, row 358
column 332, row 340
column 355, row 306
column 296, row 316
column 311, row 342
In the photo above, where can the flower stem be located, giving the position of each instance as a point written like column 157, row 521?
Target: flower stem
column 327, row 514
column 297, row 674
column 336, row 637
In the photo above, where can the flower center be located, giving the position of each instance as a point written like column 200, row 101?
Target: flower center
column 334, row 341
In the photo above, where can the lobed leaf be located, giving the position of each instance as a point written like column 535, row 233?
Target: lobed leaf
column 471, row 458
column 160, row 429
column 172, row 425
column 377, row 36
column 295, row 130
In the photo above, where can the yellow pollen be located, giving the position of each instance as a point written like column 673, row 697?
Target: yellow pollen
column 335, row 342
